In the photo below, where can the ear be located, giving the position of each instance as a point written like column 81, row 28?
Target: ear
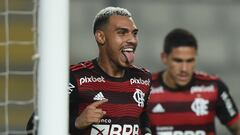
column 164, row 57
column 100, row 37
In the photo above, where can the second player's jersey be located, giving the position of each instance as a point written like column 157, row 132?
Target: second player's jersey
column 126, row 98
column 191, row 110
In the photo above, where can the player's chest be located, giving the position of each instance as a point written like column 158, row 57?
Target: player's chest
column 199, row 100
column 120, row 94
column 114, row 92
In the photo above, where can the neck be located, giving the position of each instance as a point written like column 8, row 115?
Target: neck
column 168, row 80
column 110, row 68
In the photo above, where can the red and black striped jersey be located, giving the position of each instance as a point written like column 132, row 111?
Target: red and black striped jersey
column 190, row 110
column 127, row 97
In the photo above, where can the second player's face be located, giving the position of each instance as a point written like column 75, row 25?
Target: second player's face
column 121, row 40
column 180, row 65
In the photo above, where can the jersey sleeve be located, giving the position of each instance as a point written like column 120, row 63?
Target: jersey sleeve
column 73, row 111
column 226, row 108
column 144, row 119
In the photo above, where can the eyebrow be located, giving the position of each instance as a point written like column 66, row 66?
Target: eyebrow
column 135, row 30
column 181, row 60
column 126, row 29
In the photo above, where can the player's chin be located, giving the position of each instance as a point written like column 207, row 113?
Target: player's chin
column 125, row 64
column 183, row 83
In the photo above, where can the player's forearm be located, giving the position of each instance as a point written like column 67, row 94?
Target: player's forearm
column 80, row 123
column 144, row 124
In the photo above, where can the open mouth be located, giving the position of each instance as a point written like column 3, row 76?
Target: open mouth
column 129, row 54
column 127, row 50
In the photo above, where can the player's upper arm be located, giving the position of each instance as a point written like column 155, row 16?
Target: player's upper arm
column 226, row 108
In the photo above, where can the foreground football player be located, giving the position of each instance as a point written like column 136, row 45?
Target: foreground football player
column 183, row 101
column 108, row 94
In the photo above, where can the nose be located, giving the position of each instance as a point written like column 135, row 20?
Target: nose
column 132, row 39
column 184, row 66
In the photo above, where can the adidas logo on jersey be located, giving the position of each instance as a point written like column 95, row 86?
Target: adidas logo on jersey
column 99, row 96
column 158, row 109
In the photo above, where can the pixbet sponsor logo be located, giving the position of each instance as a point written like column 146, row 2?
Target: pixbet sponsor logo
column 157, row 90
column 91, row 79
column 196, row 89
column 115, row 129
column 139, row 81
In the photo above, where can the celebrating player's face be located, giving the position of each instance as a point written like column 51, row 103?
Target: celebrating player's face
column 120, row 40
column 180, row 65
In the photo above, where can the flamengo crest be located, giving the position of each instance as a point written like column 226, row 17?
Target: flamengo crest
column 200, row 106
column 138, row 96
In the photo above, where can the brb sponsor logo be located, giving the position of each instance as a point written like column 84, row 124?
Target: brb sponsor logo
column 91, row 79
column 186, row 132
column 115, row 129
column 139, row 81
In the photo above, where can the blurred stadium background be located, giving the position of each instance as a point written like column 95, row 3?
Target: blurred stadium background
column 215, row 23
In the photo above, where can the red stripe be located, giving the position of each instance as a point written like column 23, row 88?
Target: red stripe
column 119, row 110
column 78, row 67
column 155, row 76
column 73, row 66
column 204, row 76
column 180, row 119
column 87, row 64
column 234, row 120
column 177, row 97
column 113, row 86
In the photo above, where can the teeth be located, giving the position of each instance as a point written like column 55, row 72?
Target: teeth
column 128, row 50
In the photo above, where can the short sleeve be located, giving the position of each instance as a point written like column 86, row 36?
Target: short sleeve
column 226, row 109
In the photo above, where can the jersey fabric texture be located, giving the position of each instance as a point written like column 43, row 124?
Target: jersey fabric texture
column 190, row 110
column 127, row 97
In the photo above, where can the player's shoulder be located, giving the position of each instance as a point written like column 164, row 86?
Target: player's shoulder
column 134, row 68
column 155, row 75
column 84, row 65
column 205, row 76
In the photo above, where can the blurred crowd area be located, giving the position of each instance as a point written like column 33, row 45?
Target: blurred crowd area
column 215, row 23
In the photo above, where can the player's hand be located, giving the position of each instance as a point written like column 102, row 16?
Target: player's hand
column 91, row 114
